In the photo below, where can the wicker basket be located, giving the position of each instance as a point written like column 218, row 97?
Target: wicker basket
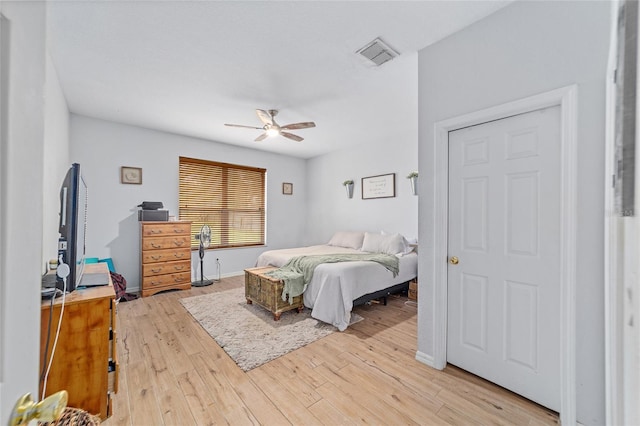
column 74, row 417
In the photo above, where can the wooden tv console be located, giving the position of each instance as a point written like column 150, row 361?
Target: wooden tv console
column 85, row 363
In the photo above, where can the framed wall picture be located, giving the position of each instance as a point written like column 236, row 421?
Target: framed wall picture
column 381, row 186
column 287, row 188
column 131, row 175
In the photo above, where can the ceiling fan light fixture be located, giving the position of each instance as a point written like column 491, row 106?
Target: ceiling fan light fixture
column 273, row 131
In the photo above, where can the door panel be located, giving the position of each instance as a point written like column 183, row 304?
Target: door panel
column 474, row 207
column 521, row 324
column 523, row 217
column 504, row 221
column 473, row 302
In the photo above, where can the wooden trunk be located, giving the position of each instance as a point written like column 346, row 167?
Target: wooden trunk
column 267, row 292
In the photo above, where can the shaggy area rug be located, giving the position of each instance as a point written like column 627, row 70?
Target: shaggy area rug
column 248, row 333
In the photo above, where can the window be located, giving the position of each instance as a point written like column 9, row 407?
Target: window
column 227, row 197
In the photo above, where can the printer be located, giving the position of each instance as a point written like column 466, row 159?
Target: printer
column 152, row 211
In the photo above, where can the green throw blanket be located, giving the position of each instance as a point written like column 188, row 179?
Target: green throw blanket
column 298, row 271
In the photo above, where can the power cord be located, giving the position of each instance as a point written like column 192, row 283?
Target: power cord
column 63, row 272
column 216, row 279
column 204, row 277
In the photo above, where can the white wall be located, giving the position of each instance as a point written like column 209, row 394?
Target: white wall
column 525, row 49
column 329, row 209
column 102, row 147
column 56, row 160
column 21, row 176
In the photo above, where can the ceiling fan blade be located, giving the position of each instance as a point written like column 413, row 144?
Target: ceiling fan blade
column 292, row 136
column 261, row 137
column 264, row 116
column 295, row 126
column 246, row 127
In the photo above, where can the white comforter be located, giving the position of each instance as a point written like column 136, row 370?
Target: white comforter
column 335, row 286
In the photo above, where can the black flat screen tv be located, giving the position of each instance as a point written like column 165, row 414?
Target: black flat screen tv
column 73, row 224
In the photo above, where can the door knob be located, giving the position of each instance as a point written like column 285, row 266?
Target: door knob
column 454, row 260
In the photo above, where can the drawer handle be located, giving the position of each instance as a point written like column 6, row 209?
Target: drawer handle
column 156, row 282
column 178, row 242
column 156, row 257
column 178, row 279
column 156, row 270
column 177, row 230
column 154, row 245
column 178, row 255
column 156, row 231
column 178, row 268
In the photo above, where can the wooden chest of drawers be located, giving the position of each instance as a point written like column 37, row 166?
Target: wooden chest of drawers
column 267, row 292
column 165, row 259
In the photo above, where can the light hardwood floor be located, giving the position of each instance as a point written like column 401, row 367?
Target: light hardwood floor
column 173, row 373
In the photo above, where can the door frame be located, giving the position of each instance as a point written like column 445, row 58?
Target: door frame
column 622, row 243
column 566, row 98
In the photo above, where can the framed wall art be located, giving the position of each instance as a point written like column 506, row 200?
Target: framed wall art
column 381, row 186
column 131, row 175
column 287, row 188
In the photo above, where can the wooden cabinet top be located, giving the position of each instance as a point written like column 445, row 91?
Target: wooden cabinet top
column 81, row 295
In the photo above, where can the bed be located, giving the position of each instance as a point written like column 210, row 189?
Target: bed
column 336, row 287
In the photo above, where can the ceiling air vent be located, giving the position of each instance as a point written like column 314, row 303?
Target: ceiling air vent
column 377, row 52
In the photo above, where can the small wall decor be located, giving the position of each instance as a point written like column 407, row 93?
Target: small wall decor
column 348, row 184
column 413, row 178
column 381, row 186
column 287, row 188
column 131, row 175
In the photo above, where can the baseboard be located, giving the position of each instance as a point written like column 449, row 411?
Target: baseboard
column 136, row 289
column 425, row 359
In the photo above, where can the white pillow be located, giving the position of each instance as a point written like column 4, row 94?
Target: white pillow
column 347, row 239
column 389, row 244
column 410, row 244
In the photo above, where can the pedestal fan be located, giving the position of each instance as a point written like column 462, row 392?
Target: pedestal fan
column 205, row 240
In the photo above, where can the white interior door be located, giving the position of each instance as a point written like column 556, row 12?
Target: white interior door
column 503, row 304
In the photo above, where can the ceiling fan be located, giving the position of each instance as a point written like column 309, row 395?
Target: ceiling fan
column 271, row 128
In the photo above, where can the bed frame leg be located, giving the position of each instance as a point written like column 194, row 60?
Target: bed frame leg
column 384, row 298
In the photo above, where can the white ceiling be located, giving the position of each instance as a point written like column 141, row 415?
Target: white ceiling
column 188, row 67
